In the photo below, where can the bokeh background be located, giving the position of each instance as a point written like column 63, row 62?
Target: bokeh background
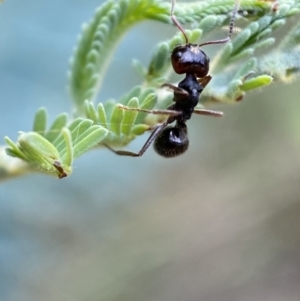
column 219, row 223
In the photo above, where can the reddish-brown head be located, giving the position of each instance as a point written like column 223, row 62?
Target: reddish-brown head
column 190, row 58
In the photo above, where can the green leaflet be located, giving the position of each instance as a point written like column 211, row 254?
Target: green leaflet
column 40, row 121
column 58, row 124
column 256, row 82
column 98, row 41
column 118, row 121
column 129, row 116
column 53, row 151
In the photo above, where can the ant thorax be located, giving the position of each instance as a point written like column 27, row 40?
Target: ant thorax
column 186, row 102
column 190, row 58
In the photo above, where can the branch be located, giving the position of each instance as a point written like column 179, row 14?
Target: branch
column 236, row 69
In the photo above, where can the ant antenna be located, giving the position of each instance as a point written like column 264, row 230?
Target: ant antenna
column 231, row 25
column 176, row 22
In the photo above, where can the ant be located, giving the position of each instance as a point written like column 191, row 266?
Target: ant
column 189, row 59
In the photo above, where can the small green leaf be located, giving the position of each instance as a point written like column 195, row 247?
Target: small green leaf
column 256, row 82
column 89, row 71
column 14, row 150
column 233, row 90
column 96, row 135
column 91, row 82
column 248, row 67
column 67, row 157
column 292, row 12
column 264, row 22
column 264, row 33
column 148, row 103
column 101, row 115
column 129, row 116
column 139, row 129
column 243, row 54
column 195, row 35
column 116, row 119
column 139, row 68
column 265, row 43
column 37, row 146
column 160, row 60
column 209, row 23
column 76, row 129
column 278, row 23
column 13, row 153
column 40, row 153
column 56, row 127
column 222, row 59
column 241, row 39
column 82, row 127
column 75, row 123
column 91, row 112
column 93, row 56
column 40, row 121
column 134, row 92
column 108, row 107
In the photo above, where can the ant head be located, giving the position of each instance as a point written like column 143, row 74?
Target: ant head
column 190, row 58
column 172, row 141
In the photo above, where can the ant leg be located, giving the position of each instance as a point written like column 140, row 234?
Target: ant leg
column 204, row 80
column 176, row 89
column 176, row 22
column 231, row 25
column 208, row 112
column 155, row 112
column 151, row 138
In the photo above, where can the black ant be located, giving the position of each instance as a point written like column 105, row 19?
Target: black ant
column 170, row 141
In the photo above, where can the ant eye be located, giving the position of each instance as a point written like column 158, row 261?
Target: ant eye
column 172, row 141
column 178, row 55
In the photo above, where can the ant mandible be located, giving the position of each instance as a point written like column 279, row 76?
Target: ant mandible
column 189, row 59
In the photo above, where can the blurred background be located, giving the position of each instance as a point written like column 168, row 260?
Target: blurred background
column 218, row 223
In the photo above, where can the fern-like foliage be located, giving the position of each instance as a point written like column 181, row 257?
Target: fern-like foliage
column 99, row 39
column 236, row 69
column 53, row 151
column 122, row 125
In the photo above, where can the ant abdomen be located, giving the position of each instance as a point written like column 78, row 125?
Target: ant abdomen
column 190, row 59
column 172, row 141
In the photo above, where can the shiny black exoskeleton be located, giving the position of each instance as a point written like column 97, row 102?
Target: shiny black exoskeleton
column 188, row 97
column 172, row 140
